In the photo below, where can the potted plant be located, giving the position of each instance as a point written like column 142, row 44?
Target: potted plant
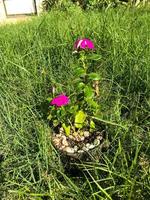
column 72, row 116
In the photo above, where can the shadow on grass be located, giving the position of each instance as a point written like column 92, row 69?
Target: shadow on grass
column 1, row 176
column 42, row 109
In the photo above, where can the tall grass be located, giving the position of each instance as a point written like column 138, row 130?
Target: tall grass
column 34, row 55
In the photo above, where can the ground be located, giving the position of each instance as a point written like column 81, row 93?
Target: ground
column 15, row 19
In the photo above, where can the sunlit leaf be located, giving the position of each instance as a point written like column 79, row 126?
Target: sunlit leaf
column 88, row 92
column 49, row 99
column 49, row 117
column 55, row 123
column 92, row 103
column 80, row 119
column 94, row 76
column 73, row 109
column 92, row 124
column 80, row 86
column 66, row 129
column 79, row 71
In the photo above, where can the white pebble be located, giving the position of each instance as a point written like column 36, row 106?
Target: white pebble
column 61, row 130
column 75, row 148
column 69, row 150
column 99, row 137
column 56, row 141
column 63, row 137
column 64, row 142
column 80, row 151
column 82, row 138
column 58, row 135
column 62, row 147
column 85, row 149
column 87, row 145
column 96, row 142
column 78, row 138
column 86, row 134
column 91, row 146
column 71, row 137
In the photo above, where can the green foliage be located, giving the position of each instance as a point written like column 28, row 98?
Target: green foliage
column 93, row 4
column 94, row 56
column 92, row 126
column 88, row 92
column 49, row 4
column 59, row 4
column 79, row 72
column 94, row 76
column 83, row 94
column 80, row 118
column 66, row 129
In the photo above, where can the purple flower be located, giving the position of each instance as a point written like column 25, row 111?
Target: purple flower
column 60, row 100
column 84, row 44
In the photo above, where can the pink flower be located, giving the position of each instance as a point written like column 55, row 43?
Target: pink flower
column 60, row 100
column 83, row 44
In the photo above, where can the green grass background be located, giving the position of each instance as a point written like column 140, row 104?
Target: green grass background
column 34, row 55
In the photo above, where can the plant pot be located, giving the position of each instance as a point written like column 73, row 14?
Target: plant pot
column 78, row 146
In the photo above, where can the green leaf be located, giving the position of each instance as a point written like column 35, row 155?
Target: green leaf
column 80, row 119
column 80, row 86
column 73, row 109
column 92, row 103
column 55, row 123
column 49, row 117
column 88, row 92
column 94, row 76
column 94, row 57
column 79, row 71
column 49, row 99
column 66, row 129
column 92, row 124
